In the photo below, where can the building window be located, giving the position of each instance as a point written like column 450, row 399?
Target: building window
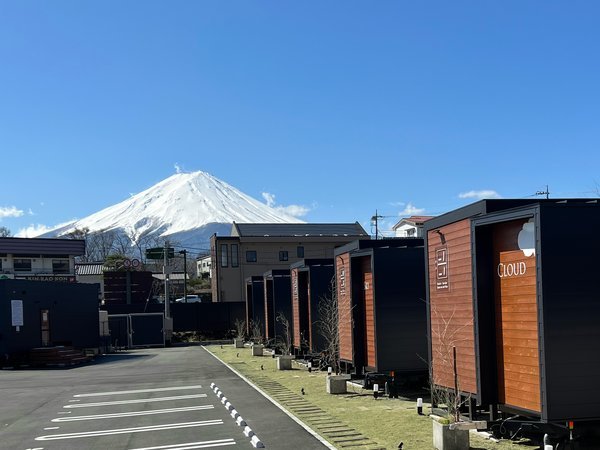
column 283, row 255
column 224, row 262
column 251, row 256
column 60, row 266
column 300, row 251
column 411, row 232
column 22, row 265
column 235, row 258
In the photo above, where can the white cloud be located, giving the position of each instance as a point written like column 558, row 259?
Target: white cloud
column 269, row 198
column 411, row 210
column 178, row 168
column 10, row 211
column 33, row 231
column 294, row 210
column 479, row 195
column 290, row 210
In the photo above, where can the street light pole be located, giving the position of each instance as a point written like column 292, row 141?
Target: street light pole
column 166, row 275
column 184, row 252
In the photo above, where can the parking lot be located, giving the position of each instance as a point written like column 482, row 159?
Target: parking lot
column 140, row 400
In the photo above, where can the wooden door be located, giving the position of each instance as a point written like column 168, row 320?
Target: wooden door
column 45, row 327
column 370, row 357
column 516, row 316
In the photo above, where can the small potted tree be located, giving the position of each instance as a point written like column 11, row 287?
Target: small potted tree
column 284, row 344
column 257, row 338
column 240, row 330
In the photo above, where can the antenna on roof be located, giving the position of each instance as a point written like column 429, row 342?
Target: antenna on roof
column 546, row 192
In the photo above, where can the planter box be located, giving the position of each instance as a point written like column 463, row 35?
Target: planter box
column 336, row 384
column 239, row 343
column 257, row 350
column 284, row 362
column 445, row 438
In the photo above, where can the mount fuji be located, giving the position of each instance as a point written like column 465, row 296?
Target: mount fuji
column 186, row 208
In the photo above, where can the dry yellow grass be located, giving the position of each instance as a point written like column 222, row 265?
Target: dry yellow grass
column 355, row 417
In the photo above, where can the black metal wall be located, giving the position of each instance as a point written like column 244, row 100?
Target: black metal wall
column 400, row 309
column 282, row 301
column 320, row 283
column 72, row 310
column 216, row 318
column 570, row 246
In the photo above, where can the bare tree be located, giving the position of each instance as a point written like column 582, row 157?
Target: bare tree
column 284, row 342
column 256, row 334
column 4, row 232
column 445, row 337
column 240, row 328
column 328, row 325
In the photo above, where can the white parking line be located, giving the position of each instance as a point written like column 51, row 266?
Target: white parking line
column 51, row 428
column 132, row 413
column 138, row 400
column 191, row 445
column 139, row 391
column 168, row 426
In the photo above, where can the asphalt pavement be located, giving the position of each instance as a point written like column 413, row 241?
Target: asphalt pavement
column 149, row 399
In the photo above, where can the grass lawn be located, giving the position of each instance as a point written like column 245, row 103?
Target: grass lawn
column 355, row 420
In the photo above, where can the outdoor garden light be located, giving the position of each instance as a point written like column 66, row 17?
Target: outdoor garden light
column 309, row 366
column 375, row 391
column 420, row 406
column 329, row 370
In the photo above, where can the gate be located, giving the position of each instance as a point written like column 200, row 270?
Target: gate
column 137, row 330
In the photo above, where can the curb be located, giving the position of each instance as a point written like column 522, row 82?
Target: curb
column 265, row 395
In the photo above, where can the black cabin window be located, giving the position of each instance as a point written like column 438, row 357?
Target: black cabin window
column 283, row 255
column 60, row 266
column 251, row 256
column 300, row 251
column 22, row 265
column 235, row 257
column 224, row 262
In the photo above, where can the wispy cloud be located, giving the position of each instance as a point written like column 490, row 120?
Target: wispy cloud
column 10, row 211
column 291, row 210
column 33, row 231
column 178, row 168
column 479, row 195
column 411, row 210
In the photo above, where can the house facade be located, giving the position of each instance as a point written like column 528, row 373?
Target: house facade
column 39, row 259
column 253, row 249
column 410, row 226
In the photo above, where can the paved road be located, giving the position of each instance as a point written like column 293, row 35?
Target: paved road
column 152, row 399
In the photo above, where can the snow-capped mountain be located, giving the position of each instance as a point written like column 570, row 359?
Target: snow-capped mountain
column 186, row 208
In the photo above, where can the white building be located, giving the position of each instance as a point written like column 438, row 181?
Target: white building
column 203, row 264
column 410, row 226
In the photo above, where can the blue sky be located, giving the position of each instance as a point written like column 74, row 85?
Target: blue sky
column 340, row 107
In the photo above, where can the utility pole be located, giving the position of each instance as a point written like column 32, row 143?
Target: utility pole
column 546, row 192
column 374, row 221
column 166, row 272
column 184, row 252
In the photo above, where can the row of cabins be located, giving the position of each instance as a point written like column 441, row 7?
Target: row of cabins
column 498, row 300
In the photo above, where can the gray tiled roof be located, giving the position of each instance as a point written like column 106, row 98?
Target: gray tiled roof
column 298, row 229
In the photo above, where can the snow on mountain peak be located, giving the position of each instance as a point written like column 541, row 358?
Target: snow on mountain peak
column 181, row 203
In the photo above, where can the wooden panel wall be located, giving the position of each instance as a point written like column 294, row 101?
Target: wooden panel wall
column 516, row 320
column 297, row 339
column 369, row 308
column 451, row 305
column 344, row 300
